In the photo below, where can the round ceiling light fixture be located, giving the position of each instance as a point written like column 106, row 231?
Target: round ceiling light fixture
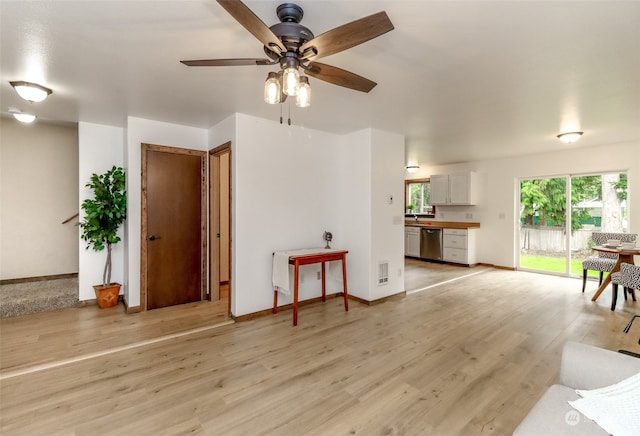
column 22, row 117
column 412, row 168
column 569, row 137
column 31, row 91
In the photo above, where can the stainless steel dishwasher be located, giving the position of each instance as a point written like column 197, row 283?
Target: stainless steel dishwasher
column 431, row 244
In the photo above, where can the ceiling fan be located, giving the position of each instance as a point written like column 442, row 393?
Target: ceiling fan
column 293, row 46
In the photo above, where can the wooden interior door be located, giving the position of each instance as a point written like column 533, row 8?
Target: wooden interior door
column 173, row 202
column 220, row 222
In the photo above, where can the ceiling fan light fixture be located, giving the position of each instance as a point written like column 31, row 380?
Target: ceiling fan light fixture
column 569, row 137
column 31, row 91
column 303, row 98
column 272, row 89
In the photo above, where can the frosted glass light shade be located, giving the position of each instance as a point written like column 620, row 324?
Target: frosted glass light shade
column 31, row 91
column 569, row 137
column 412, row 168
column 303, row 99
column 290, row 81
column 272, row 89
column 23, row 118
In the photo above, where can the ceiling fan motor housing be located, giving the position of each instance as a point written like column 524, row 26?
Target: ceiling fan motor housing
column 289, row 12
column 289, row 30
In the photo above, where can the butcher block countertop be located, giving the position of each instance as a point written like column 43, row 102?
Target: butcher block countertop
column 442, row 224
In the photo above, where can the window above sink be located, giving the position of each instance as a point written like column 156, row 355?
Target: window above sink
column 417, row 198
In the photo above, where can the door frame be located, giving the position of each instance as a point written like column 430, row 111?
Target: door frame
column 214, row 221
column 143, row 224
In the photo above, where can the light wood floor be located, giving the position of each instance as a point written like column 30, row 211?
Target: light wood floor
column 468, row 357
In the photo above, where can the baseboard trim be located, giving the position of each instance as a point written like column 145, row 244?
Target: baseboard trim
column 490, row 265
column 394, row 297
column 133, row 309
column 94, row 302
column 38, row 278
column 261, row 313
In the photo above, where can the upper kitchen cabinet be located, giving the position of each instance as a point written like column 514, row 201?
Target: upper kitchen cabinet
column 458, row 189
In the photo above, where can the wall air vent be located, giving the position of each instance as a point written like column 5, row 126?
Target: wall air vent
column 383, row 273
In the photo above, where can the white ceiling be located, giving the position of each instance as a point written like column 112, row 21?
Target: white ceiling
column 462, row 80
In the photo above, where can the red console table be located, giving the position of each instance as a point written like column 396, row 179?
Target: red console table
column 307, row 257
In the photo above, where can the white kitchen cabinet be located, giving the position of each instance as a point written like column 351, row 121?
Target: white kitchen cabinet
column 412, row 241
column 459, row 246
column 458, row 189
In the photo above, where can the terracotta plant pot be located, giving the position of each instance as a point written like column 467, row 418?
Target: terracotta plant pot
column 107, row 296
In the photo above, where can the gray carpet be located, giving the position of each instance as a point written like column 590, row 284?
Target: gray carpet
column 39, row 296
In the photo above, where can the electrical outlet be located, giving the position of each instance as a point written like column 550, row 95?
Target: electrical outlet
column 318, row 275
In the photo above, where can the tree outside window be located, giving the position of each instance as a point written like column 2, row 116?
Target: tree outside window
column 418, row 198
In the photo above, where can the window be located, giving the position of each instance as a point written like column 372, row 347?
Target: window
column 418, row 198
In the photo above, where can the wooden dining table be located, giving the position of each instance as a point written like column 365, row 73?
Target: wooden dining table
column 624, row 256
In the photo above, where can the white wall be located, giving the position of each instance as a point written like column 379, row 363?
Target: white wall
column 387, row 207
column 372, row 171
column 141, row 131
column 289, row 185
column 100, row 148
column 355, row 208
column 284, row 197
column 39, row 190
column 497, row 237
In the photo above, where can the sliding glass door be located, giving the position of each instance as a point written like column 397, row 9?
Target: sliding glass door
column 558, row 215
column 543, row 232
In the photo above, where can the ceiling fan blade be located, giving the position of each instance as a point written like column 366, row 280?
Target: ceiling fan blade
column 253, row 24
column 226, row 62
column 347, row 36
column 339, row 77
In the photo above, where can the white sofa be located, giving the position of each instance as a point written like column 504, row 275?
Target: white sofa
column 582, row 367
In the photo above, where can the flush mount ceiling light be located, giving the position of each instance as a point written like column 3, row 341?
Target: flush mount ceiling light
column 294, row 47
column 31, row 91
column 412, row 168
column 22, row 117
column 569, row 137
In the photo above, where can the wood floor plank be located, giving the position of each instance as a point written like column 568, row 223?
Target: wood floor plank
column 470, row 356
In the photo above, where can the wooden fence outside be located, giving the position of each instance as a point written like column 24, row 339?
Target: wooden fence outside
column 552, row 239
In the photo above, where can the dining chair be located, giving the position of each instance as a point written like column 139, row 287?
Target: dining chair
column 629, row 278
column 603, row 262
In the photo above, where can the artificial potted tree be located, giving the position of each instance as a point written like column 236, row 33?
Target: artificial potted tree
column 104, row 214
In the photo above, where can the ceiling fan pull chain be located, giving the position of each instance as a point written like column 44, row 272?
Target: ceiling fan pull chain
column 289, row 112
column 280, row 113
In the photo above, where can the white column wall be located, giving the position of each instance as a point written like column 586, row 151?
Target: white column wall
column 387, row 211
column 496, row 212
column 99, row 148
column 355, row 210
column 284, row 197
column 141, row 131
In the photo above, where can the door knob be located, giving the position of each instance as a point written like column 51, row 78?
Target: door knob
column 151, row 238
